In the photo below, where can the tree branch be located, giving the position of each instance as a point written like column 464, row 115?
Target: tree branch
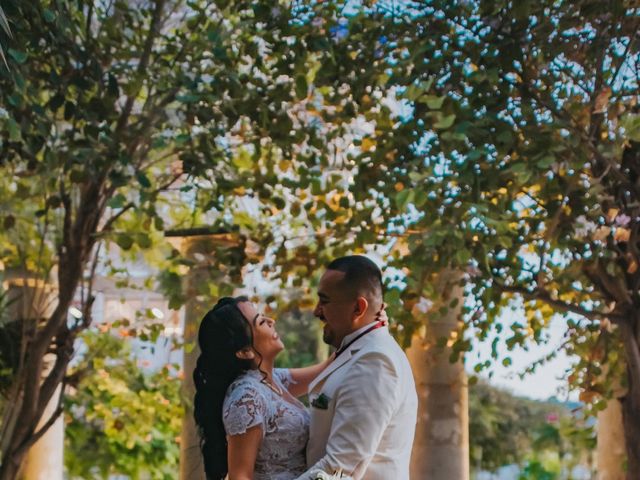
column 154, row 29
column 623, row 58
column 109, row 223
column 609, row 284
column 57, row 373
column 543, row 295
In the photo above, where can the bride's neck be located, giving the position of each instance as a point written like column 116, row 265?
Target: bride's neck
column 267, row 367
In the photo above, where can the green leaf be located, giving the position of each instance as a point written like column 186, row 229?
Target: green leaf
column 445, row 122
column 404, row 198
column 521, row 171
column 420, row 198
column 158, row 223
column 188, row 98
column 414, row 91
column 243, row 219
column 433, row 102
column 278, row 202
column 546, row 161
column 17, row 55
column 143, row 179
column 301, row 87
column 476, row 154
column 15, row 100
column 213, row 35
column 14, row 130
column 133, row 86
column 48, row 15
column 118, row 201
column 143, row 240
column 462, row 256
column 124, row 241
column 243, row 160
column 631, row 125
column 182, row 139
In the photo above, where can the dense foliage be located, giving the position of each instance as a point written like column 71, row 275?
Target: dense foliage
column 122, row 420
column 505, row 429
column 516, row 161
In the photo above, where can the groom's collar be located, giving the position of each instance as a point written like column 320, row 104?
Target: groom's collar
column 352, row 335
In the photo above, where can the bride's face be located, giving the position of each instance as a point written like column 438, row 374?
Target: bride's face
column 266, row 340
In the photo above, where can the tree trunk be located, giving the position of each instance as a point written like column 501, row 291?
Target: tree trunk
column 611, row 444
column 631, row 422
column 441, row 446
column 631, row 401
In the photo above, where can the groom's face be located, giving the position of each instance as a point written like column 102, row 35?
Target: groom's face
column 336, row 306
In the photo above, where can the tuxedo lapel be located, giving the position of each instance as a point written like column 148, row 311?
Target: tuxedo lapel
column 345, row 356
column 337, row 363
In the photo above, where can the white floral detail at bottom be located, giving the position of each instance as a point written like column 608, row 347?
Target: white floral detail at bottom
column 320, row 475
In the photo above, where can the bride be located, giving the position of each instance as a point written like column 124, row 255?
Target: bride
column 251, row 424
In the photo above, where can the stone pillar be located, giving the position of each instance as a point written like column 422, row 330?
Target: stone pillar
column 611, row 453
column 191, row 464
column 31, row 300
column 45, row 460
column 441, row 446
column 200, row 247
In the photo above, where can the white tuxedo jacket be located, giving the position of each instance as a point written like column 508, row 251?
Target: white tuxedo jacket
column 368, row 425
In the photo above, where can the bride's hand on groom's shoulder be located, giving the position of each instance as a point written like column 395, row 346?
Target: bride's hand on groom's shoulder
column 382, row 316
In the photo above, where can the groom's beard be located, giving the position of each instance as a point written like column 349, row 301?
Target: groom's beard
column 329, row 337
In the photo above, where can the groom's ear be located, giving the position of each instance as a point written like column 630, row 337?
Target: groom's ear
column 361, row 307
column 246, row 354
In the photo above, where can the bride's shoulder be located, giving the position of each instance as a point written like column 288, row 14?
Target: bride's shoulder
column 245, row 405
column 247, row 381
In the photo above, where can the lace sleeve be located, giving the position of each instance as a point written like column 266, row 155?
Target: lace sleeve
column 244, row 407
column 284, row 377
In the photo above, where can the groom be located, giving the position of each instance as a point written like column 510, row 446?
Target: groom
column 364, row 404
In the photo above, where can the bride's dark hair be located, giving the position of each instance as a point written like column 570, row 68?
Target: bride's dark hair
column 223, row 331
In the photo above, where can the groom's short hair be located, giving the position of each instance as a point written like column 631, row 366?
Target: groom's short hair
column 361, row 273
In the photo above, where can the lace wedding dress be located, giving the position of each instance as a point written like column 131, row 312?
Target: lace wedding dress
column 284, row 421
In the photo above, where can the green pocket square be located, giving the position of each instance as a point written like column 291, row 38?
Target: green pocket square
column 321, row 402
